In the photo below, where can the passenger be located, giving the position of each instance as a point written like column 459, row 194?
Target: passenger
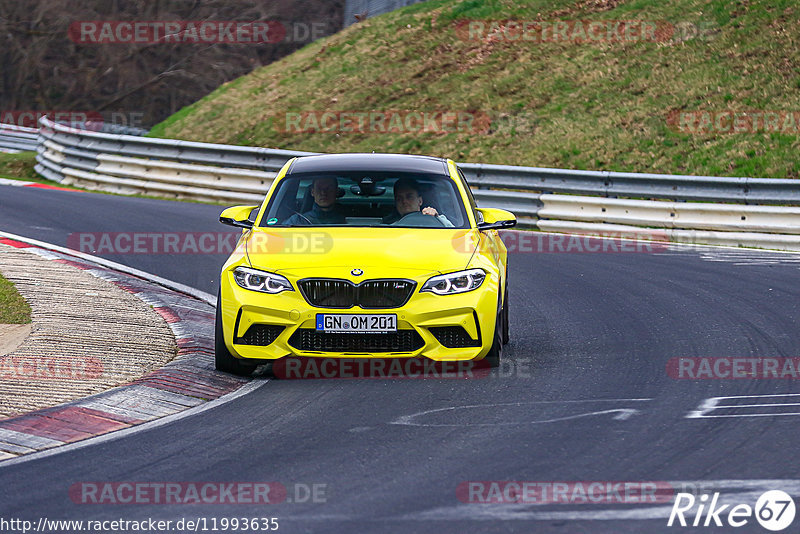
column 409, row 210
column 325, row 191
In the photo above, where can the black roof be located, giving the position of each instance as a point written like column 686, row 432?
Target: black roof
column 369, row 162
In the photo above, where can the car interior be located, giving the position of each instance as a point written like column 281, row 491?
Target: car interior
column 367, row 199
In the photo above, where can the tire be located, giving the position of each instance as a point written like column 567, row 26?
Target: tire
column 223, row 359
column 506, row 333
column 495, row 353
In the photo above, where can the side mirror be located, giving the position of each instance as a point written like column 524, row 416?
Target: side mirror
column 238, row 216
column 496, row 219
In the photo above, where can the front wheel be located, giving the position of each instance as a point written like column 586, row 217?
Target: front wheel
column 506, row 333
column 223, row 359
column 496, row 352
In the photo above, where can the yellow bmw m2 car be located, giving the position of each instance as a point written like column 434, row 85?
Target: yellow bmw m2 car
column 364, row 256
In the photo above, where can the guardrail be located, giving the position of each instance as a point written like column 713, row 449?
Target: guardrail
column 753, row 212
column 637, row 185
column 162, row 167
column 17, row 138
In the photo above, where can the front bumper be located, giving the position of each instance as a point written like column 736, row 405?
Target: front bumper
column 288, row 314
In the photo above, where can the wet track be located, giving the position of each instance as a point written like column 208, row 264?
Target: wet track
column 584, row 396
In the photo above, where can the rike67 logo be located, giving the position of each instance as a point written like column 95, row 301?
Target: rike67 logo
column 774, row 510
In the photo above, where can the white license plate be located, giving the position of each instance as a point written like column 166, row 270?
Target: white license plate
column 356, row 323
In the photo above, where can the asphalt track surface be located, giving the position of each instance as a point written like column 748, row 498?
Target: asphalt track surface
column 585, row 397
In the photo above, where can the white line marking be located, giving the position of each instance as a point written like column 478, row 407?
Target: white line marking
column 743, row 415
column 761, row 396
column 622, row 413
column 721, row 406
column 112, row 436
column 713, row 403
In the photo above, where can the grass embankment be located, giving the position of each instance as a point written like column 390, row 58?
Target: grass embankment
column 19, row 166
column 569, row 104
column 13, row 308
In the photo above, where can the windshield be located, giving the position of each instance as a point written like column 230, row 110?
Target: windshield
column 366, row 199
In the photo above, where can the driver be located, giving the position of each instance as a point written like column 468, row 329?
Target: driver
column 324, row 191
column 408, row 203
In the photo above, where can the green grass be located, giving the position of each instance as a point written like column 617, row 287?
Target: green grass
column 13, row 308
column 19, row 166
column 573, row 105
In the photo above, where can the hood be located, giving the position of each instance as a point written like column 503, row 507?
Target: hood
column 379, row 252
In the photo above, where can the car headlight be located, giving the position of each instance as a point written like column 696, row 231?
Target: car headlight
column 460, row 282
column 262, row 281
